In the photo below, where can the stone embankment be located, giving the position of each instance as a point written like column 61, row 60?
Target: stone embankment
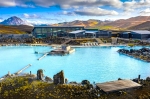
column 142, row 54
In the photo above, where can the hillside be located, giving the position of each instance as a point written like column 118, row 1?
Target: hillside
column 22, row 29
column 88, row 23
column 143, row 26
column 25, row 28
column 17, row 25
column 104, row 27
column 126, row 23
column 115, row 25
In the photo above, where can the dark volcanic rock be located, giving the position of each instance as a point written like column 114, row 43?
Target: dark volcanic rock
column 59, row 78
column 143, row 53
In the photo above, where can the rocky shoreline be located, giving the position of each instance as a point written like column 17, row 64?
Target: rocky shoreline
column 59, row 88
column 142, row 54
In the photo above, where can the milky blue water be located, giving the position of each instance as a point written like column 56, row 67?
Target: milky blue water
column 99, row 64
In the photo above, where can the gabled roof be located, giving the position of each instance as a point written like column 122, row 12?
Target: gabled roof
column 92, row 32
column 78, row 31
column 59, row 26
column 141, row 31
column 126, row 32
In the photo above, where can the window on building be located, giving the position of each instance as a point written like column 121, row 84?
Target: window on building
column 38, row 30
column 49, row 30
column 77, row 28
column 44, row 30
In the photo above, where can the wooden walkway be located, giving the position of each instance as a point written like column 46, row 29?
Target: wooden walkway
column 17, row 73
column 66, row 42
column 117, row 85
column 42, row 56
column 99, row 41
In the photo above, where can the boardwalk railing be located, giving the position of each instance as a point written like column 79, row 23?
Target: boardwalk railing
column 42, row 56
column 17, row 73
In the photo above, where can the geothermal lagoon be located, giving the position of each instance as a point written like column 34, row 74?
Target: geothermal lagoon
column 96, row 64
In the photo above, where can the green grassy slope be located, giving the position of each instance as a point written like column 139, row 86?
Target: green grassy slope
column 22, row 29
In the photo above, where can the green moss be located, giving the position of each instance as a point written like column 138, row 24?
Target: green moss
column 131, row 44
column 108, row 27
column 28, row 88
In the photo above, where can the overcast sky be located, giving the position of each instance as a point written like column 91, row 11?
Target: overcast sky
column 55, row 11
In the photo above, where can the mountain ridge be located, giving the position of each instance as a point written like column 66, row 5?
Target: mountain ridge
column 14, row 20
column 118, row 24
column 90, row 23
column 142, row 26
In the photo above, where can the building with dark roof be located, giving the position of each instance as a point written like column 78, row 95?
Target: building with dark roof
column 58, row 31
column 140, row 34
column 91, row 34
column 104, row 33
column 132, row 34
column 76, row 34
column 71, row 31
column 125, row 34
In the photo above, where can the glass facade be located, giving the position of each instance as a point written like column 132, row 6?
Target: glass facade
column 41, row 32
column 40, row 35
column 44, row 30
column 38, row 30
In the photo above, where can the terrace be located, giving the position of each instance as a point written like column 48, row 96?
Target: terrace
column 118, row 85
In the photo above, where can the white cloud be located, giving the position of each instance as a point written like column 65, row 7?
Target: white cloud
column 78, row 3
column 32, row 16
column 26, row 15
column 1, row 20
column 6, row 3
column 61, row 3
column 39, row 22
column 13, row 3
column 68, row 13
column 92, row 11
column 65, row 12
column 145, row 12
column 130, row 6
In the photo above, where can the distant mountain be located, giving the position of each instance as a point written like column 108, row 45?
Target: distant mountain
column 131, row 23
column 126, row 23
column 142, row 26
column 88, row 23
column 107, row 24
column 14, row 21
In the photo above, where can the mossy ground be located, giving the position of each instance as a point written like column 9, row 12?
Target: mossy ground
column 29, row 88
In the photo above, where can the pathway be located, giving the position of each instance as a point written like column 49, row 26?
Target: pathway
column 99, row 41
column 114, row 40
column 66, row 42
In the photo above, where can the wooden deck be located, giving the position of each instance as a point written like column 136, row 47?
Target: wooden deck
column 117, row 85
